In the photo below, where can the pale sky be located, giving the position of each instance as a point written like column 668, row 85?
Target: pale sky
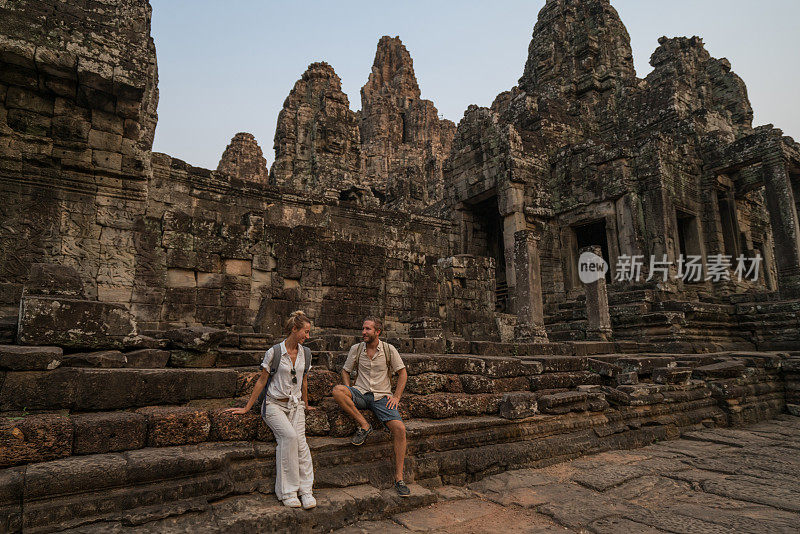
column 227, row 67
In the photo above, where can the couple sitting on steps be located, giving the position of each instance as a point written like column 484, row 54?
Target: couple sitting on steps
column 282, row 393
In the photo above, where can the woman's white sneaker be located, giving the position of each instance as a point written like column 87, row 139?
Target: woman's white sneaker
column 292, row 502
column 309, row 501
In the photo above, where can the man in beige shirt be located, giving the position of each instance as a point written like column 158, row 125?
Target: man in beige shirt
column 375, row 362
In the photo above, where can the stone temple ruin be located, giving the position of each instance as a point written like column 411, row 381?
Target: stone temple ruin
column 138, row 293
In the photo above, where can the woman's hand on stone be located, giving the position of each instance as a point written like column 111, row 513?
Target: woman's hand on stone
column 236, row 411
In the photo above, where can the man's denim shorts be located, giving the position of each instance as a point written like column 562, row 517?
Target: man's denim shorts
column 365, row 401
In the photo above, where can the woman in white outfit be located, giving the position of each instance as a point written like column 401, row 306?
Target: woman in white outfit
column 284, row 412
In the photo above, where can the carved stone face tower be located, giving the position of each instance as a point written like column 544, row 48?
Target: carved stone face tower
column 404, row 143
column 243, row 160
column 317, row 145
column 577, row 45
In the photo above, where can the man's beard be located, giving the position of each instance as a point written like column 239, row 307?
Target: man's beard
column 368, row 338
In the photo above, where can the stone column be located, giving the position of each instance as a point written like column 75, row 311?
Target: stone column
column 784, row 221
column 530, row 309
column 511, row 205
column 599, row 318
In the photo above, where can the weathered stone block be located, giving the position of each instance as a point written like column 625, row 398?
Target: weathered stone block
column 191, row 358
column 444, row 405
column 457, row 346
column 19, row 98
column 34, row 438
column 107, row 160
column 108, row 141
column 175, row 425
column 672, row 375
column 197, row 338
column 602, row 368
column 209, row 280
column 321, row 383
column 626, row 379
column 18, row 358
column 428, row 383
column 792, row 365
column 506, row 367
column 77, row 324
column 561, row 363
column 563, row 380
column 445, row 364
column 258, row 342
column 317, row 423
column 97, row 433
column 518, row 405
column 107, row 359
column 560, row 403
column 597, row 402
column 50, row 279
column 727, row 369
column 181, row 278
column 147, row 359
column 517, row 383
column 245, row 382
column 433, row 345
column 644, row 365
column 477, row 384
column 226, row 426
column 239, row 358
column 237, row 267
column 111, row 389
column 339, row 422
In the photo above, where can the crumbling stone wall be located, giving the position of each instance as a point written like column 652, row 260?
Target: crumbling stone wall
column 580, row 151
column 78, row 95
column 223, row 252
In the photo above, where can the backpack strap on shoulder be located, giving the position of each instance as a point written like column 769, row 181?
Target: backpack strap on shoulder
column 307, row 358
column 273, row 368
column 362, row 346
column 276, row 359
column 388, row 356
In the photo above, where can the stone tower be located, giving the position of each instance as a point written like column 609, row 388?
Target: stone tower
column 404, row 143
column 244, row 160
column 317, row 145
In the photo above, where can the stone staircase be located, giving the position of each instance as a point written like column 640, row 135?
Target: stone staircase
column 122, row 440
column 660, row 325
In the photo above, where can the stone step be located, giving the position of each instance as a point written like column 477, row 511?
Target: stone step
column 131, row 408
column 46, row 436
column 138, row 486
column 256, row 512
column 567, row 335
column 8, row 329
column 82, row 389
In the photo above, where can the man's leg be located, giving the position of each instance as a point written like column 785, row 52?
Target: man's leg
column 344, row 398
column 398, row 430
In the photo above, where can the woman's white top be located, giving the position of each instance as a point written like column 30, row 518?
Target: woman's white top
column 281, row 387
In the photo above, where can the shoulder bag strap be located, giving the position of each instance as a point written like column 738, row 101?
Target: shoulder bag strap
column 307, row 358
column 388, row 356
column 273, row 368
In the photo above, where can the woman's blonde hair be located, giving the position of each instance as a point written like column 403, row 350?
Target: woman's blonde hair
column 296, row 320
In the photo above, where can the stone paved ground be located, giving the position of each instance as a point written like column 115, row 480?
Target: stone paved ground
column 711, row 481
